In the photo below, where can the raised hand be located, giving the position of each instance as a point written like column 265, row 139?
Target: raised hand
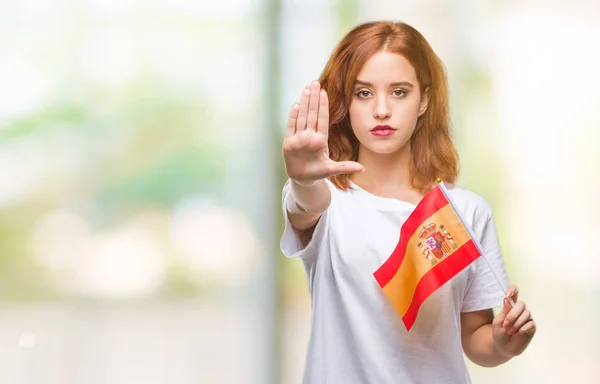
column 305, row 149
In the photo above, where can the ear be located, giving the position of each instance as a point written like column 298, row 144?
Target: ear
column 424, row 102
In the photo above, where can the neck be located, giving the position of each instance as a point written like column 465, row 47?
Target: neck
column 384, row 171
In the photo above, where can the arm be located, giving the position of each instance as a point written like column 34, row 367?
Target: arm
column 490, row 341
column 306, row 204
column 478, row 341
column 307, row 162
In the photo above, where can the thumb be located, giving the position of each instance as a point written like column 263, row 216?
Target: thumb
column 501, row 316
column 338, row 168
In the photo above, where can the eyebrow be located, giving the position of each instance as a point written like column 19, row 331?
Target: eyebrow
column 396, row 84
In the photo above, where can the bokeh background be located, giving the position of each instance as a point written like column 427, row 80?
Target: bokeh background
column 140, row 179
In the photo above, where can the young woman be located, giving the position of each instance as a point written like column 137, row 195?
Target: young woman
column 363, row 146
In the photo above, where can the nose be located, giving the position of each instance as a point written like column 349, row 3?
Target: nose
column 381, row 109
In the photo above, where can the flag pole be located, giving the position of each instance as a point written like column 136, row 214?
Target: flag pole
column 477, row 245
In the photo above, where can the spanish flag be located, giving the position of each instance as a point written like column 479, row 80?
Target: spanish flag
column 434, row 246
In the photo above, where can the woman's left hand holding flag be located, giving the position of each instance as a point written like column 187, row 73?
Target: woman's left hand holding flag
column 513, row 327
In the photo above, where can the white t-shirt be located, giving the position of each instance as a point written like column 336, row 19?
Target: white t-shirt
column 356, row 335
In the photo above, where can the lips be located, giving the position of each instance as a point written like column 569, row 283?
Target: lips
column 382, row 130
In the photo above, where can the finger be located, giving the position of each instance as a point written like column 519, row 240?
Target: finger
column 528, row 329
column 524, row 318
column 323, row 121
column 313, row 106
column 302, row 110
column 506, row 307
column 499, row 318
column 513, row 292
column 291, row 126
column 338, row 168
column 514, row 314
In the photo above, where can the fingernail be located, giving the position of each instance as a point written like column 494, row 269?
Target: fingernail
column 505, row 324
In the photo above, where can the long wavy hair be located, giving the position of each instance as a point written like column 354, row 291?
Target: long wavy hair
column 433, row 154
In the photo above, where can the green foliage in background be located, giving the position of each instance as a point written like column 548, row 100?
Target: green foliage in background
column 146, row 151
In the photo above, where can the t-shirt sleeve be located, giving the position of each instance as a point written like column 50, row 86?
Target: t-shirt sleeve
column 290, row 244
column 483, row 290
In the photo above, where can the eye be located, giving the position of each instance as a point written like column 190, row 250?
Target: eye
column 362, row 93
column 400, row 92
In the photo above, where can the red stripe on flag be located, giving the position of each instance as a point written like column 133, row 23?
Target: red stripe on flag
column 438, row 276
column 430, row 204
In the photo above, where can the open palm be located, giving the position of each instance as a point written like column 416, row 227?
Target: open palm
column 305, row 149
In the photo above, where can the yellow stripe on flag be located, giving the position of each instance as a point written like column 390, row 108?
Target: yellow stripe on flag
column 401, row 288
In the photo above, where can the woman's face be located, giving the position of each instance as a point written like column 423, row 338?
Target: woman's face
column 386, row 103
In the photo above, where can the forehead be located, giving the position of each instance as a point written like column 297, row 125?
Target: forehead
column 387, row 67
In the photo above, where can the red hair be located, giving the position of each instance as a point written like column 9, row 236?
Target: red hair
column 433, row 152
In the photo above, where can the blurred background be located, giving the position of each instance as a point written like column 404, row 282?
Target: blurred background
column 140, row 179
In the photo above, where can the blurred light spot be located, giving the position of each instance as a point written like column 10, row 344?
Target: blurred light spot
column 213, row 9
column 204, row 9
column 24, row 87
column 21, row 168
column 58, row 238
column 27, row 340
column 214, row 240
column 25, row 163
column 120, row 47
column 125, row 263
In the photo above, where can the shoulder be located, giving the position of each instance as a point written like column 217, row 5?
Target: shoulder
column 470, row 204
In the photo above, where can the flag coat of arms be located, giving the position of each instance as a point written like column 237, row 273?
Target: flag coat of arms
column 434, row 246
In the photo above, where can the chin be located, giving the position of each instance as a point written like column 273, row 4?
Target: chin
column 384, row 148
